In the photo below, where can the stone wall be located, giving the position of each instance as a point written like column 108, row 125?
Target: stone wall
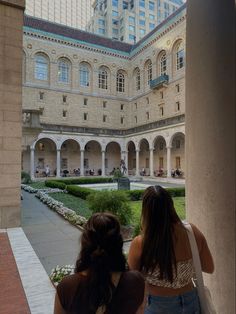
column 11, row 22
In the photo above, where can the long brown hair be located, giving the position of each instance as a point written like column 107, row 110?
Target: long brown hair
column 158, row 218
column 101, row 253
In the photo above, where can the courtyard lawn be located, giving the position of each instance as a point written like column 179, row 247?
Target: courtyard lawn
column 179, row 203
column 38, row 185
column 80, row 206
column 73, row 202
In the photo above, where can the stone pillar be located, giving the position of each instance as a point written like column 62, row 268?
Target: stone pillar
column 151, row 162
column 58, row 162
column 210, row 138
column 168, row 161
column 103, row 163
column 82, row 162
column 137, row 162
column 11, row 24
column 32, row 170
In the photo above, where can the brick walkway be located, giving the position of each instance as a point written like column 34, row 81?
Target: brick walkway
column 12, row 296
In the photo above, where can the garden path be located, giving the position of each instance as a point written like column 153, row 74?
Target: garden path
column 54, row 240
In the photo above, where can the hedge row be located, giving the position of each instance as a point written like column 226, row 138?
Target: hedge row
column 85, row 180
column 71, row 186
column 79, row 191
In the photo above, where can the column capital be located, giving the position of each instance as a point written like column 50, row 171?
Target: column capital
column 58, row 149
column 82, row 150
column 32, row 149
column 151, row 149
column 137, row 150
column 169, row 147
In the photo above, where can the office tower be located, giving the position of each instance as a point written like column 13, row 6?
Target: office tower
column 129, row 20
column 74, row 13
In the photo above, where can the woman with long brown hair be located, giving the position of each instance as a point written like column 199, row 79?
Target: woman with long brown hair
column 163, row 254
column 102, row 282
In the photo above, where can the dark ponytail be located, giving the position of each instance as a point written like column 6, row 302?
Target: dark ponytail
column 100, row 255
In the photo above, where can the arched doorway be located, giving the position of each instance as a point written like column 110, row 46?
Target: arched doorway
column 159, row 156
column 144, row 157
column 70, row 157
column 178, row 152
column 131, row 166
column 45, row 157
column 112, row 157
column 92, row 158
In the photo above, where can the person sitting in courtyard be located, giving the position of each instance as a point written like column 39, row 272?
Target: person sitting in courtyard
column 143, row 172
column 102, row 282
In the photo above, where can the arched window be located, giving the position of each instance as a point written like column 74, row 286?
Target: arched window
column 84, row 75
column 63, row 70
column 120, row 82
column 162, row 63
column 179, row 55
column 137, row 79
column 102, row 78
column 149, row 71
column 41, row 67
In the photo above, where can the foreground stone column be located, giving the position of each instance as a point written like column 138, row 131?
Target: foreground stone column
column 82, row 162
column 210, row 137
column 11, row 24
column 58, row 162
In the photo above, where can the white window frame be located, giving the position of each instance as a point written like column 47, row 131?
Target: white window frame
column 41, row 67
column 120, row 82
column 63, row 71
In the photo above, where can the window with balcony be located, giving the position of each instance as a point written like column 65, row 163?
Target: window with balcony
column 149, row 71
column 162, row 63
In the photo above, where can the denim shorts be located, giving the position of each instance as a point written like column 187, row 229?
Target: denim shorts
column 187, row 303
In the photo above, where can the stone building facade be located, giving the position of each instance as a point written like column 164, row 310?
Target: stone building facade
column 101, row 101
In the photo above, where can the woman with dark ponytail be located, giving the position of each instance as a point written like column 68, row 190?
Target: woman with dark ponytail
column 102, row 282
column 163, row 254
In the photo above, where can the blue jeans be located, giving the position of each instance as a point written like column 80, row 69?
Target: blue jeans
column 187, row 303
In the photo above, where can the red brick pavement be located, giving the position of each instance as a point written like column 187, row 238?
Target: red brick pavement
column 12, row 295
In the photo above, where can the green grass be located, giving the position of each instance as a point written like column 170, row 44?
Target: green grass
column 38, row 185
column 73, row 202
column 179, row 206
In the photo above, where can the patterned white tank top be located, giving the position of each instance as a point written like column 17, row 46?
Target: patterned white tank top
column 185, row 273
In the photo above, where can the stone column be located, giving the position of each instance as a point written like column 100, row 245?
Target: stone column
column 103, row 163
column 137, row 162
column 210, row 138
column 168, row 161
column 11, row 34
column 58, row 162
column 151, row 162
column 32, row 170
column 82, row 162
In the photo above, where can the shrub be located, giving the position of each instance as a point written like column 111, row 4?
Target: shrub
column 25, row 178
column 176, row 192
column 79, row 191
column 55, row 184
column 135, row 195
column 115, row 202
column 83, row 180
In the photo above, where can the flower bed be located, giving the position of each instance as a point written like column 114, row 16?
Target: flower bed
column 59, row 207
column 59, row 272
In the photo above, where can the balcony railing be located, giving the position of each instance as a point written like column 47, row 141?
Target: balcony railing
column 160, row 82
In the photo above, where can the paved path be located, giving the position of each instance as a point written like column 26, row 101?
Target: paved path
column 55, row 241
